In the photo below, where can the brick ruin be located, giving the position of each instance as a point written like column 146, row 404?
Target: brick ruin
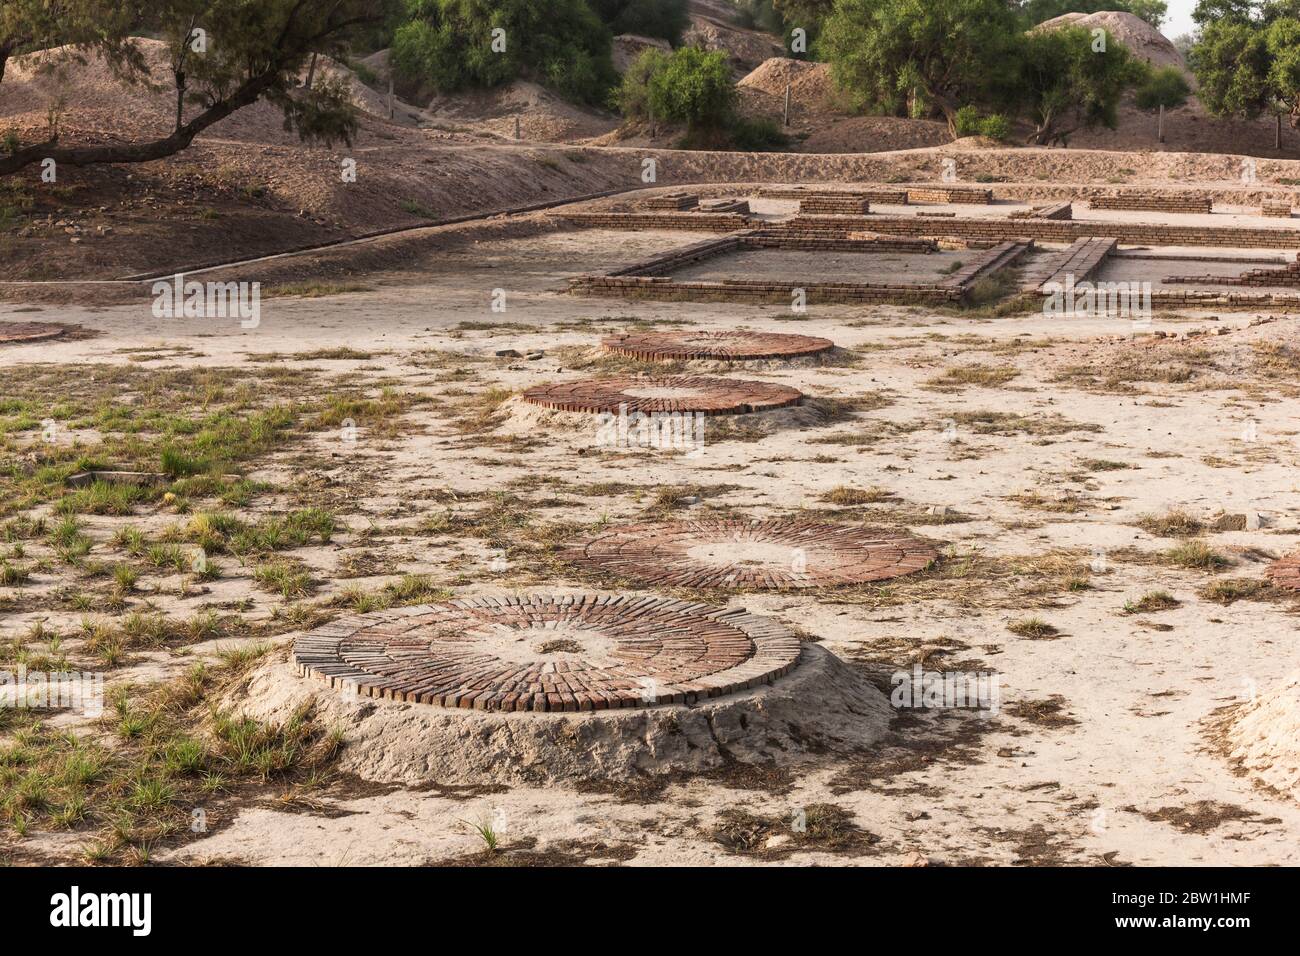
column 1154, row 202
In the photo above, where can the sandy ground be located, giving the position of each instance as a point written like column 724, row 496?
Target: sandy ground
column 1100, row 753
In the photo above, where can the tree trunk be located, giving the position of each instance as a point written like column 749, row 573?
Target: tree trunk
column 311, row 72
column 139, row 152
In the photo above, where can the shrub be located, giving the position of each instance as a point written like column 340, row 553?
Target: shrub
column 664, row 19
column 694, row 87
column 967, row 121
column 1165, row 87
column 996, row 127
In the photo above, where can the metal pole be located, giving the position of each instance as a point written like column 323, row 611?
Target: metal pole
column 787, row 105
column 1162, row 123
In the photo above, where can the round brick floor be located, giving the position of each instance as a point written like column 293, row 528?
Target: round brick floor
column 1285, row 572
column 727, row 346
column 16, row 332
column 687, row 394
column 774, row 555
column 548, row 653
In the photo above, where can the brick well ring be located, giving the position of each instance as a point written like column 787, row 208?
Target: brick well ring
column 688, row 394
column 732, row 345
column 1285, row 572
column 549, row 653
column 19, row 332
column 771, row 555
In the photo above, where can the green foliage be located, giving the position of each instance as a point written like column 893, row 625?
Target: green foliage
column 694, row 87
column 1068, row 84
column 664, row 19
column 448, row 45
column 632, row 98
column 1165, row 87
column 959, row 51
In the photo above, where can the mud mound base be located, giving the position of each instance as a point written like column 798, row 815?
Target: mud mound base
column 14, row 333
column 1262, row 737
column 767, row 555
column 545, row 653
column 683, row 394
column 821, row 706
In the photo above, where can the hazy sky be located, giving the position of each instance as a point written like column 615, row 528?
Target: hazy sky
column 1180, row 18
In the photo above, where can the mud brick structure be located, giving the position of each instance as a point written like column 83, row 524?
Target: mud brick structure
column 1056, row 210
column 949, row 194
column 725, row 205
column 670, row 201
column 1081, row 259
column 774, row 554
column 1065, row 231
column 829, row 205
column 542, row 653
column 667, row 394
column 690, row 221
column 1154, row 202
column 1285, row 572
column 1288, row 275
column 14, row 333
column 1276, row 208
column 648, row 280
column 881, row 195
column 729, row 346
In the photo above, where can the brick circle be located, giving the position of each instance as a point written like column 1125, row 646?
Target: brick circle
column 16, row 332
column 666, row 393
column 769, row 555
column 549, row 653
column 1285, row 572
column 733, row 345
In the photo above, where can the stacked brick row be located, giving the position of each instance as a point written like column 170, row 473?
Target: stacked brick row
column 895, row 196
column 676, row 258
column 757, row 291
column 1057, row 210
column 828, row 205
column 817, row 241
column 697, row 221
column 725, row 205
column 1148, row 202
column 948, row 194
column 1081, row 259
column 1277, row 208
column 1288, row 276
column 670, row 201
column 1060, row 230
column 986, row 263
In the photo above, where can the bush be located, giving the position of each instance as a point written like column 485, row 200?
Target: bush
column 1165, row 87
column 995, row 126
column 693, row 86
column 632, row 98
column 757, row 135
column 967, row 121
column 446, row 46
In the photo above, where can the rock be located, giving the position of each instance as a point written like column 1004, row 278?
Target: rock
column 507, row 353
column 776, row 840
column 915, row 858
column 939, row 511
column 534, row 356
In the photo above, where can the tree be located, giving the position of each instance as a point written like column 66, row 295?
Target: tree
column 1070, row 84
column 28, row 26
column 694, row 87
column 1231, row 61
column 665, row 19
column 954, row 52
column 247, row 52
column 450, row 45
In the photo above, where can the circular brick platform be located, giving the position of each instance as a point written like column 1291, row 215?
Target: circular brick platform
column 18, row 332
column 724, row 346
column 689, row 394
column 774, row 555
column 544, row 653
column 1285, row 572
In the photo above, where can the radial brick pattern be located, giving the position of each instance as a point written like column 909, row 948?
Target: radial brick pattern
column 547, row 653
column 669, row 393
column 728, row 346
column 29, row 331
column 775, row 554
column 1285, row 572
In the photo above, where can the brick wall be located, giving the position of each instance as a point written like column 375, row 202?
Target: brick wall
column 1153, row 202
column 964, row 194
